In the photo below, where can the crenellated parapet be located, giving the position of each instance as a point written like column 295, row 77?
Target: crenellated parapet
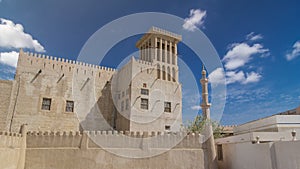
column 9, row 139
column 144, row 62
column 54, row 133
column 113, row 139
column 46, row 59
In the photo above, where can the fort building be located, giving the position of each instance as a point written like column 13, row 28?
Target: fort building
column 77, row 115
column 56, row 94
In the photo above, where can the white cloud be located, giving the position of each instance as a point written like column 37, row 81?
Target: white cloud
column 295, row 52
column 232, row 77
column 254, row 37
column 252, row 77
column 13, row 36
column 217, row 76
column 9, row 58
column 196, row 107
column 241, row 53
column 241, row 77
column 196, row 18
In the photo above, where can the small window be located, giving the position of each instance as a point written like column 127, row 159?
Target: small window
column 145, row 91
column 69, row 106
column 46, row 104
column 127, row 104
column 144, row 85
column 144, row 104
column 168, row 107
column 167, row 128
column 122, row 106
column 220, row 152
column 123, row 94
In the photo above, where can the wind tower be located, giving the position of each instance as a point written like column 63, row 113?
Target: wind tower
column 208, row 131
column 159, row 47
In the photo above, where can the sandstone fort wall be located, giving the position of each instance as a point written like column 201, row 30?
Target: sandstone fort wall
column 39, row 76
column 10, row 150
column 5, row 93
column 64, row 150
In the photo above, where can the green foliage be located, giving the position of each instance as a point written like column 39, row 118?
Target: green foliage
column 198, row 125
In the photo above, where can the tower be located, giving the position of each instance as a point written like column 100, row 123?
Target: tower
column 208, row 130
column 205, row 105
column 159, row 47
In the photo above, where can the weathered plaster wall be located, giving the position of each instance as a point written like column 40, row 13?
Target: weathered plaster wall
column 39, row 76
column 75, row 151
column 10, row 150
column 287, row 154
column 5, row 96
column 279, row 155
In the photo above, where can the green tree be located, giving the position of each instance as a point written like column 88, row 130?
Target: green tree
column 198, row 125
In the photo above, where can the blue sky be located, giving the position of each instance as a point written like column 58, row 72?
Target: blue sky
column 257, row 41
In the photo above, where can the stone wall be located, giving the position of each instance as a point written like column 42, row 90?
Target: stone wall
column 271, row 155
column 73, row 150
column 11, row 151
column 39, row 76
column 5, row 95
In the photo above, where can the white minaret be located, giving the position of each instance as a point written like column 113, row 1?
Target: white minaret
column 208, row 131
column 205, row 105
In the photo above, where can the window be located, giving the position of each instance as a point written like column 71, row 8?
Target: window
column 69, row 106
column 123, row 94
column 220, row 152
column 167, row 127
column 144, row 104
column 122, row 106
column 167, row 107
column 144, row 85
column 144, row 91
column 46, row 104
column 127, row 104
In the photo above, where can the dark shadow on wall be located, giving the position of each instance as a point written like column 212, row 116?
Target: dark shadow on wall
column 101, row 116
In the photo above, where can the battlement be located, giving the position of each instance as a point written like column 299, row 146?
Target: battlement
column 9, row 139
column 110, row 133
column 165, row 32
column 144, row 62
column 229, row 126
column 54, row 133
column 117, row 139
column 6, row 133
column 66, row 61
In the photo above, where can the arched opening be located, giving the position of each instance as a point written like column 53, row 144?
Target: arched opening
column 163, row 53
column 158, row 51
column 158, row 72
column 173, row 55
column 169, row 73
column 164, row 73
column 173, row 75
column 168, row 54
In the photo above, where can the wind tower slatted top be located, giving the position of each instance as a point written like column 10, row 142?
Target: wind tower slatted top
column 159, row 45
